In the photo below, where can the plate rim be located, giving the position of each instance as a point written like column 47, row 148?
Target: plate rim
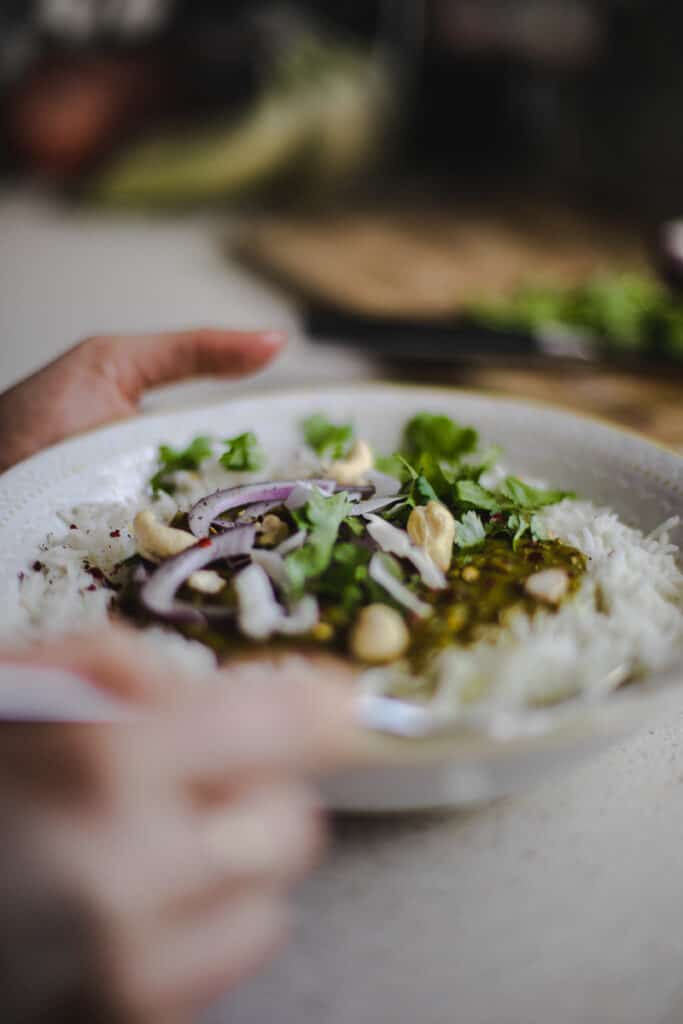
column 214, row 402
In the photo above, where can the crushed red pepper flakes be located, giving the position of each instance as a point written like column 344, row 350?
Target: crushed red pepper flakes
column 205, row 543
column 115, row 534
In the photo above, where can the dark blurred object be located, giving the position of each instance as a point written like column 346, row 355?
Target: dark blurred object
column 65, row 114
column 669, row 254
column 318, row 117
column 577, row 100
column 571, row 99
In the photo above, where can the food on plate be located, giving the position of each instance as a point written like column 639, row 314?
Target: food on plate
column 432, row 570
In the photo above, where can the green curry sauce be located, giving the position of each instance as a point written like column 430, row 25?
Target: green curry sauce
column 485, row 587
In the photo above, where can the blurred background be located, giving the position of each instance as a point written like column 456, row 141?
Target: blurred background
column 482, row 192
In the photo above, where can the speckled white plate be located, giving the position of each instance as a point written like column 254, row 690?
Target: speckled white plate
column 640, row 480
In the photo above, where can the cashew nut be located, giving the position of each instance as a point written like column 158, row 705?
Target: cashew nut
column 379, row 634
column 354, row 468
column 156, row 542
column 432, row 527
column 549, row 585
column 272, row 531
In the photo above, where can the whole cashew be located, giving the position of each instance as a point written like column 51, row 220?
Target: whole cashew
column 157, row 542
column 549, row 585
column 432, row 527
column 379, row 634
column 353, row 469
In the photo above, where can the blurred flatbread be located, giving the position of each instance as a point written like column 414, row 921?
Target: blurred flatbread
column 430, row 263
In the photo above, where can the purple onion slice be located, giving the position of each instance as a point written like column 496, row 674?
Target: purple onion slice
column 207, row 510
column 362, row 508
column 158, row 594
column 254, row 512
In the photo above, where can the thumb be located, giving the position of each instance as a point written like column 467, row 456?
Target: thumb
column 148, row 361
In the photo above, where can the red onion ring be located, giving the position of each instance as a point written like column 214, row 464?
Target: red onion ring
column 205, row 512
column 158, row 593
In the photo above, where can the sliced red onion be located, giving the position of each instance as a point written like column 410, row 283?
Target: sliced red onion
column 301, row 493
column 274, row 565
column 385, row 486
column 260, row 614
column 381, row 574
column 158, row 593
column 362, row 508
column 203, row 514
column 297, row 540
column 258, row 509
column 397, row 542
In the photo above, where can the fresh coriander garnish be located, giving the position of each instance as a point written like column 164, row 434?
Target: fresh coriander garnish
column 243, row 453
column 170, row 461
column 438, row 435
column 324, row 516
column 331, row 440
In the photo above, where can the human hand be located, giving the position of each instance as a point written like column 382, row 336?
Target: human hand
column 103, row 379
column 182, row 833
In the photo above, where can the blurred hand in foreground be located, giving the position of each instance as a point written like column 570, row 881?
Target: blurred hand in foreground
column 176, row 837
column 103, row 379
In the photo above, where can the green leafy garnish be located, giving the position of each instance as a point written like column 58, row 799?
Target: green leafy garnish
column 472, row 495
column 439, row 435
column 470, row 531
column 324, row 516
column 172, row 461
column 524, row 496
column 625, row 310
column 392, row 465
column 243, row 453
column 331, row 440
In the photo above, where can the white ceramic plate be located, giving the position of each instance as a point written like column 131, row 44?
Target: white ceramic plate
column 640, row 480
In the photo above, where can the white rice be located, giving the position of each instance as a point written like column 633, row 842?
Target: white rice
column 626, row 619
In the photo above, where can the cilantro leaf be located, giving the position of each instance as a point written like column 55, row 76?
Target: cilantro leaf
column 326, row 438
column 170, row 461
column 324, row 516
column 392, row 465
column 470, row 531
column 346, row 581
column 524, row 496
column 538, row 529
column 518, row 524
column 438, row 435
column 243, row 453
column 471, row 493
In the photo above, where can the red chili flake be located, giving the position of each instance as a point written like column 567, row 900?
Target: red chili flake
column 96, row 573
column 497, row 516
column 115, row 534
column 37, row 566
column 91, row 588
column 73, row 526
column 205, row 543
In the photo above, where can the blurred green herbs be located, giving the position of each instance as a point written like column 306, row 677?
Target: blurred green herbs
column 628, row 311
